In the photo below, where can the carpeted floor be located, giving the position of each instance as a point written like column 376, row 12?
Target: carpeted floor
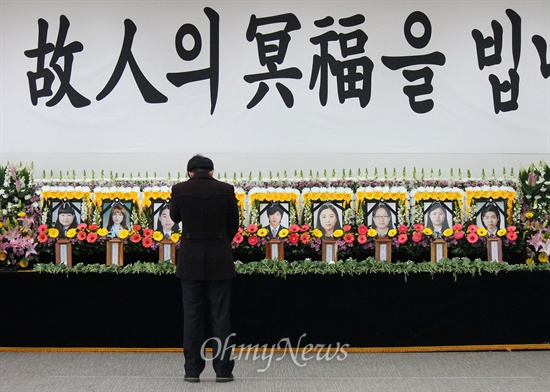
column 500, row 371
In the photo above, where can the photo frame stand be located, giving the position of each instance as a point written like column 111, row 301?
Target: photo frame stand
column 330, row 251
column 115, row 252
column 167, row 250
column 438, row 249
column 494, row 249
column 382, row 249
column 274, row 249
column 64, row 252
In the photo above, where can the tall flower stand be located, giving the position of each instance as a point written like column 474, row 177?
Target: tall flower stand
column 274, row 250
column 382, row 249
column 115, row 252
column 494, row 249
column 167, row 250
column 64, row 252
column 330, row 251
column 438, row 250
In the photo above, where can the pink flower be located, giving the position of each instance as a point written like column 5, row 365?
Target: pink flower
column 418, row 227
column 472, row 237
column 238, row 238
column 417, row 237
column 294, row 238
column 252, row 228
column 458, row 235
column 402, row 238
column 457, row 227
column 240, row 230
column 304, row 238
column 147, row 242
column 511, row 235
column 42, row 228
column 81, row 235
column 91, row 238
column 253, row 240
column 349, row 238
column 362, row 229
column 511, row 228
column 81, row 226
column 472, row 229
column 305, row 227
column 346, row 228
column 294, row 228
column 402, row 229
column 361, row 238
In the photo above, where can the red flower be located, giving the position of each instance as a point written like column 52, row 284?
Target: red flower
column 304, row 238
column 457, row 227
column 93, row 227
column 512, row 236
column 472, row 237
column 294, row 228
column 253, row 240
column 402, row 229
column 238, row 238
column 305, row 227
column 294, row 238
column 362, row 229
column 346, row 228
column 472, row 229
column 252, row 228
column 458, row 235
column 136, row 228
column 402, row 238
column 42, row 237
column 135, row 238
column 81, row 235
column 361, row 238
column 349, row 238
column 418, row 227
column 42, row 228
column 417, row 237
column 91, row 238
column 511, row 228
column 147, row 242
column 147, row 233
column 81, row 226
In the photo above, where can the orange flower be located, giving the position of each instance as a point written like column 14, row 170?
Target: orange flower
column 135, row 238
column 147, row 233
column 42, row 237
column 91, row 238
column 147, row 242
column 304, row 238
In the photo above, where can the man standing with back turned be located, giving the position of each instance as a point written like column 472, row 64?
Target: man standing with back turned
column 209, row 214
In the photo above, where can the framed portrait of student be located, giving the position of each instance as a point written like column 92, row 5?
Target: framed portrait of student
column 381, row 215
column 490, row 214
column 161, row 220
column 65, row 214
column 116, row 216
column 327, row 216
column 438, row 215
column 274, row 216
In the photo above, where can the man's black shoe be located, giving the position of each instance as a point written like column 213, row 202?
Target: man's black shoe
column 225, row 379
column 191, row 379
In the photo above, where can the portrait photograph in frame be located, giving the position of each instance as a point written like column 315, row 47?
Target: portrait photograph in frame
column 161, row 220
column 274, row 216
column 438, row 215
column 65, row 214
column 327, row 216
column 490, row 214
column 381, row 215
column 116, row 216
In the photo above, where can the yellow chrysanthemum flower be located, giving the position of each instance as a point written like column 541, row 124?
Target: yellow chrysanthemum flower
column 338, row 233
column 543, row 257
column 262, row 232
column 529, row 215
column 372, row 233
column 102, row 232
column 157, row 236
column 427, row 231
column 23, row 263
column 71, row 233
column 317, row 233
column 502, row 232
column 448, row 232
column 529, row 261
column 3, row 256
column 482, row 232
column 283, row 233
column 53, row 232
column 21, row 214
column 123, row 233
column 175, row 237
column 392, row 233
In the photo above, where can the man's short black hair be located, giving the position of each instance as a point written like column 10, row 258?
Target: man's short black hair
column 199, row 162
column 273, row 208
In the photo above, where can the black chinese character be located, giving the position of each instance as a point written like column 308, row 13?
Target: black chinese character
column 425, row 73
column 353, row 76
column 59, row 50
column 540, row 45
